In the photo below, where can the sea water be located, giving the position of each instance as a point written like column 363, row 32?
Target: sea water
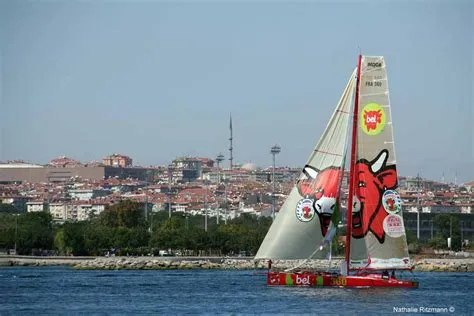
column 62, row 290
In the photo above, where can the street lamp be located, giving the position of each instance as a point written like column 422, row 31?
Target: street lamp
column 146, row 195
column 205, row 208
column 225, row 204
column 274, row 151
column 418, row 208
column 450, row 231
column 16, row 231
column 219, row 159
column 170, row 176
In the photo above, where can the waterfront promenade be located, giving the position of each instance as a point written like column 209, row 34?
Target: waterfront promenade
column 463, row 264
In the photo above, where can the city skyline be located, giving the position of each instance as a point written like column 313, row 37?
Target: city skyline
column 157, row 80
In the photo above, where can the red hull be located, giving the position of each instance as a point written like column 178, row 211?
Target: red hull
column 310, row 279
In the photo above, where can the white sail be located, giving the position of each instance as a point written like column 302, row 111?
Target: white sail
column 305, row 219
column 378, row 235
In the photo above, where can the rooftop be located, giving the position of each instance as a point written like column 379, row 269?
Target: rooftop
column 19, row 165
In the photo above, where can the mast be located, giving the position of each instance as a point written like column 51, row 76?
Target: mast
column 352, row 169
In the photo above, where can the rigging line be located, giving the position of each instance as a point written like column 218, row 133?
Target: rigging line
column 328, row 153
column 304, row 261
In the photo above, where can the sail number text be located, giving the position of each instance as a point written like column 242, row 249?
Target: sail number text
column 338, row 281
column 373, row 83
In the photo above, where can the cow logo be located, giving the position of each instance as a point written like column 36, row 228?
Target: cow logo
column 393, row 225
column 325, row 207
column 372, row 119
column 391, row 201
column 305, row 210
column 374, row 178
column 322, row 187
column 274, row 279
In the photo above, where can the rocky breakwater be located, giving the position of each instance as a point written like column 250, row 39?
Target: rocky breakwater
column 35, row 261
column 445, row 265
column 165, row 263
column 159, row 263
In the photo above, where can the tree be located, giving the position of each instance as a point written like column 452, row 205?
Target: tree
column 35, row 231
column 169, row 234
column 124, row 214
column 447, row 225
column 73, row 238
column 60, row 243
column 7, row 230
column 7, row 208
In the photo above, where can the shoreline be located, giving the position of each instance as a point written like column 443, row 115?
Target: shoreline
column 224, row 263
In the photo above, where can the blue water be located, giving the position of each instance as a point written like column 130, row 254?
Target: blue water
column 61, row 290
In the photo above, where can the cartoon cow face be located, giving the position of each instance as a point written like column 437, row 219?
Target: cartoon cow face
column 325, row 207
column 373, row 178
column 322, row 187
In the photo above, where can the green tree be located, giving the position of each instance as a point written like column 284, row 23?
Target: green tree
column 447, row 225
column 60, row 243
column 74, row 238
column 7, row 230
column 124, row 214
column 169, row 234
column 35, row 232
column 7, row 208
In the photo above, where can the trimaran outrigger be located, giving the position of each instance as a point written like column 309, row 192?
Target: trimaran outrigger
column 307, row 221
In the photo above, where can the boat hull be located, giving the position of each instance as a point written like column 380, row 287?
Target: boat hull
column 310, row 279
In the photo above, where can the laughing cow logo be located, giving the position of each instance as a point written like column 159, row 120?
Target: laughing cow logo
column 368, row 213
column 322, row 188
column 373, row 119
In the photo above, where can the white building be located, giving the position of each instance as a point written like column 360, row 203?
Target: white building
column 75, row 211
column 87, row 194
column 59, row 211
column 35, row 206
column 87, row 210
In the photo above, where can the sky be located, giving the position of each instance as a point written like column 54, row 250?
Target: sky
column 156, row 80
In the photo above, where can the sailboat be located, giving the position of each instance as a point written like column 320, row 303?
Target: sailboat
column 307, row 221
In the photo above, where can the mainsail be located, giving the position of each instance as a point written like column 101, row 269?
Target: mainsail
column 305, row 222
column 378, row 234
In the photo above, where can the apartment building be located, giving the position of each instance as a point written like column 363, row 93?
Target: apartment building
column 118, row 160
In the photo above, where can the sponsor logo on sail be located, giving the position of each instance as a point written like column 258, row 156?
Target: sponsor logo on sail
column 393, row 226
column 391, row 201
column 305, row 210
column 374, row 64
column 372, row 119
